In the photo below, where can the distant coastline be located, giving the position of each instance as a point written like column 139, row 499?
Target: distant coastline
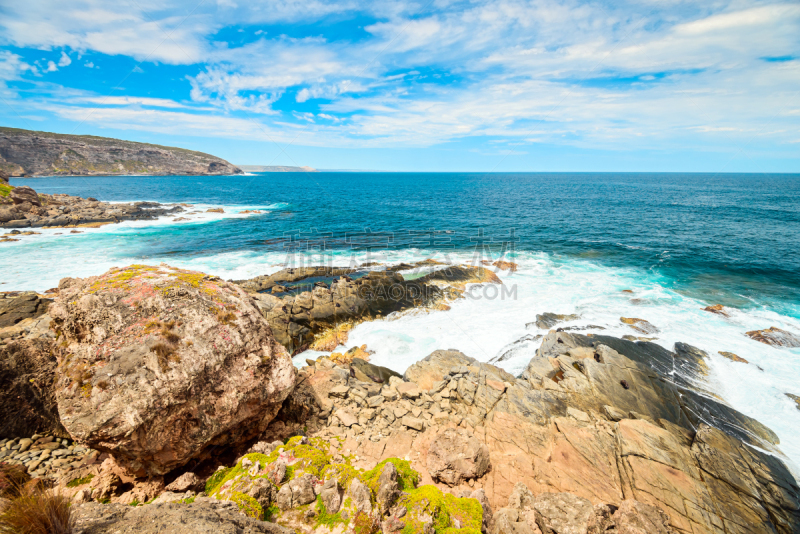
column 27, row 153
column 275, row 168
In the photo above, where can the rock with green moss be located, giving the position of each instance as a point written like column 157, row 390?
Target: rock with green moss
column 388, row 488
column 330, row 495
column 426, row 509
column 322, row 490
column 157, row 365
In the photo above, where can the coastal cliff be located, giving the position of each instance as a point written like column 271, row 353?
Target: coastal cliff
column 31, row 153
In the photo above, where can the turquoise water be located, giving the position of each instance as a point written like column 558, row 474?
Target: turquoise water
column 678, row 241
column 730, row 239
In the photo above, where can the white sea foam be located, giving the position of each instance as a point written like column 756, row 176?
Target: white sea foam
column 485, row 326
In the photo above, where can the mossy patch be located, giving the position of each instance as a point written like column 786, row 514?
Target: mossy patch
column 272, row 513
column 449, row 514
column 216, row 480
column 5, row 190
column 425, row 504
column 344, row 473
column 312, row 460
column 326, row 518
column 248, row 505
column 74, row 483
column 407, row 477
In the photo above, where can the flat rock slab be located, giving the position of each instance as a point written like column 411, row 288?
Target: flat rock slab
column 204, row 516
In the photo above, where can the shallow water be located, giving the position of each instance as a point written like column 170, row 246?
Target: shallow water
column 678, row 241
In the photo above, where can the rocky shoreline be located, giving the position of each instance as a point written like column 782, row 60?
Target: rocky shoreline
column 165, row 400
column 22, row 207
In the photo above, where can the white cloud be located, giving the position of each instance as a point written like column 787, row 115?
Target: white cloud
column 329, row 90
column 109, row 28
column 89, row 65
column 11, row 69
column 566, row 71
column 64, row 61
column 51, row 67
column 129, row 101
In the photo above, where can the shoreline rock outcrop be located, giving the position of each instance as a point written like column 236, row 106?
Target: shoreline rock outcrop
column 158, row 365
column 303, row 305
column 31, row 153
column 570, row 425
column 25, row 208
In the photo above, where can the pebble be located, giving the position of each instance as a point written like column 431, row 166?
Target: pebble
column 44, row 455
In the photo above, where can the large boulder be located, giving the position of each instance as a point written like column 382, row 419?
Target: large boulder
column 158, row 365
column 457, row 455
column 24, row 194
column 8, row 213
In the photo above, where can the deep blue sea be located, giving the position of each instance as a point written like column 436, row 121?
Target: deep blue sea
column 678, row 241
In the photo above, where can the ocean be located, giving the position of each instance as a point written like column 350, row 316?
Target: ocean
column 678, row 242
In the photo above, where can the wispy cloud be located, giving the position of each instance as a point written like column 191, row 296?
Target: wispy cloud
column 610, row 76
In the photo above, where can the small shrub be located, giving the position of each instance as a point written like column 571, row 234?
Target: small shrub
column 37, row 511
column 169, row 336
column 165, row 353
column 225, row 317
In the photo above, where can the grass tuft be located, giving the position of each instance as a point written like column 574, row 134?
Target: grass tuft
column 12, row 479
column 37, row 511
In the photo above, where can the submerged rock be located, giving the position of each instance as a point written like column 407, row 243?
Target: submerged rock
column 733, row 357
column 719, row 309
column 157, row 365
column 549, row 320
column 640, row 325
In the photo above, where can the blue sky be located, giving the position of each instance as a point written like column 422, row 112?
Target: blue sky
column 509, row 85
